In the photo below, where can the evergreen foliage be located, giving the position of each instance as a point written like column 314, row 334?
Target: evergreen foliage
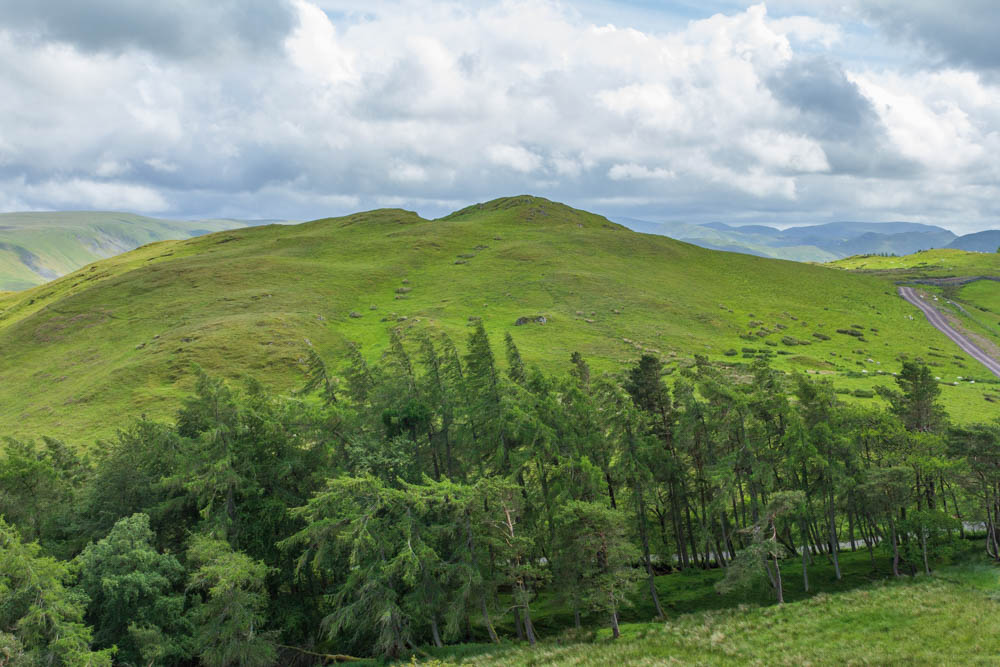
column 432, row 497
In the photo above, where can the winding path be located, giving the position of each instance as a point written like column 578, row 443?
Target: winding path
column 937, row 319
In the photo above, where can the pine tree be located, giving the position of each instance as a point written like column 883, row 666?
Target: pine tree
column 44, row 617
column 230, row 616
column 134, row 595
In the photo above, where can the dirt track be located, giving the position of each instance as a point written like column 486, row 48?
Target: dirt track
column 937, row 319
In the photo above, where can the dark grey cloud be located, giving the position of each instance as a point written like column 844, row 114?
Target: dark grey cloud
column 820, row 89
column 957, row 33
column 174, row 28
column 834, row 111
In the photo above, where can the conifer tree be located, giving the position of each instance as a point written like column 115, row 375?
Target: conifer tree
column 38, row 610
column 134, row 595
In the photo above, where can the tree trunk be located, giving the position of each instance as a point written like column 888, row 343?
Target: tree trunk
column 611, row 490
column 517, row 624
column 923, row 547
column 615, row 632
column 529, row 628
column 895, row 547
column 488, row 623
column 644, row 534
column 435, row 633
column 834, row 546
column 805, row 554
column 777, row 578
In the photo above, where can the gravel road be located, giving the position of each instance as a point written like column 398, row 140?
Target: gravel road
column 937, row 319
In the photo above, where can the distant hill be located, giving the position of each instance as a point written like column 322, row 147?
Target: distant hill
column 39, row 246
column 815, row 243
column 123, row 335
column 988, row 241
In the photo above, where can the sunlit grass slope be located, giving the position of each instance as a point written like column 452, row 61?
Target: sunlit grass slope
column 941, row 263
column 944, row 275
column 950, row 618
column 121, row 336
column 36, row 247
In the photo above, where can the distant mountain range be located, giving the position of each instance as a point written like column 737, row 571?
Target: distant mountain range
column 40, row 246
column 819, row 243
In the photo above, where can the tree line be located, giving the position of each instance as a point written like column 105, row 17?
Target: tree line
column 432, row 495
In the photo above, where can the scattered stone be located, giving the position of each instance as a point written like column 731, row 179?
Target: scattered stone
column 355, row 314
column 461, row 261
column 616, row 311
column 402, row 318
column 403, row 290
column 481, row 247
column 579, row 313
column 537, row 319
column 187, row 340
column 320, row 318
column 474, row 318
column 140, row 346
column 589, row 321
column 406, row 281
column 466, row 255
column 373, row 307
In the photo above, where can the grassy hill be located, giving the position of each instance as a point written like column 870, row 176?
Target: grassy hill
column 940, row 263
column 814, row 243
column 947, row 618
column 37, row 247
column 121, row 336
column 953, row 280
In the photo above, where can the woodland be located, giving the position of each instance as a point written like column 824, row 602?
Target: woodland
column 435, row 495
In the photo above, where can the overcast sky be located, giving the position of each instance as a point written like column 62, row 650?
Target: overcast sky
column 793, row 111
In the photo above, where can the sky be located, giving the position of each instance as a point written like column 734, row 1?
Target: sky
column 793, row 111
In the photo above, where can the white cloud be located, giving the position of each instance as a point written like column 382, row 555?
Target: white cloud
column 425, row 103
column 517, row 158
column 403, row 172
column 625, row 172
column 90, row 194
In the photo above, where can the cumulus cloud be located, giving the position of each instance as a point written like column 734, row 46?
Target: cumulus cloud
column 187, row 28
column 305, row 108
column 957, row 33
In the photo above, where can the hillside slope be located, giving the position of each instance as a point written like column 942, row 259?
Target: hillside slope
column 122, row 335
column 809, row 243
column 988, row 241
column 37, row 247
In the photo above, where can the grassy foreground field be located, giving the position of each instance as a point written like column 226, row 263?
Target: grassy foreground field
column 950, row 617
column 120, row 337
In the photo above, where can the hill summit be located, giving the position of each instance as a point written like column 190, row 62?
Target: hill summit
column 123, row 335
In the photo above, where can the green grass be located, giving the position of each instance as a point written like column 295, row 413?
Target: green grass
column 120, row 336
column 951, row 617
column 36, row 247
column 972, row 307
column 940, row 263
